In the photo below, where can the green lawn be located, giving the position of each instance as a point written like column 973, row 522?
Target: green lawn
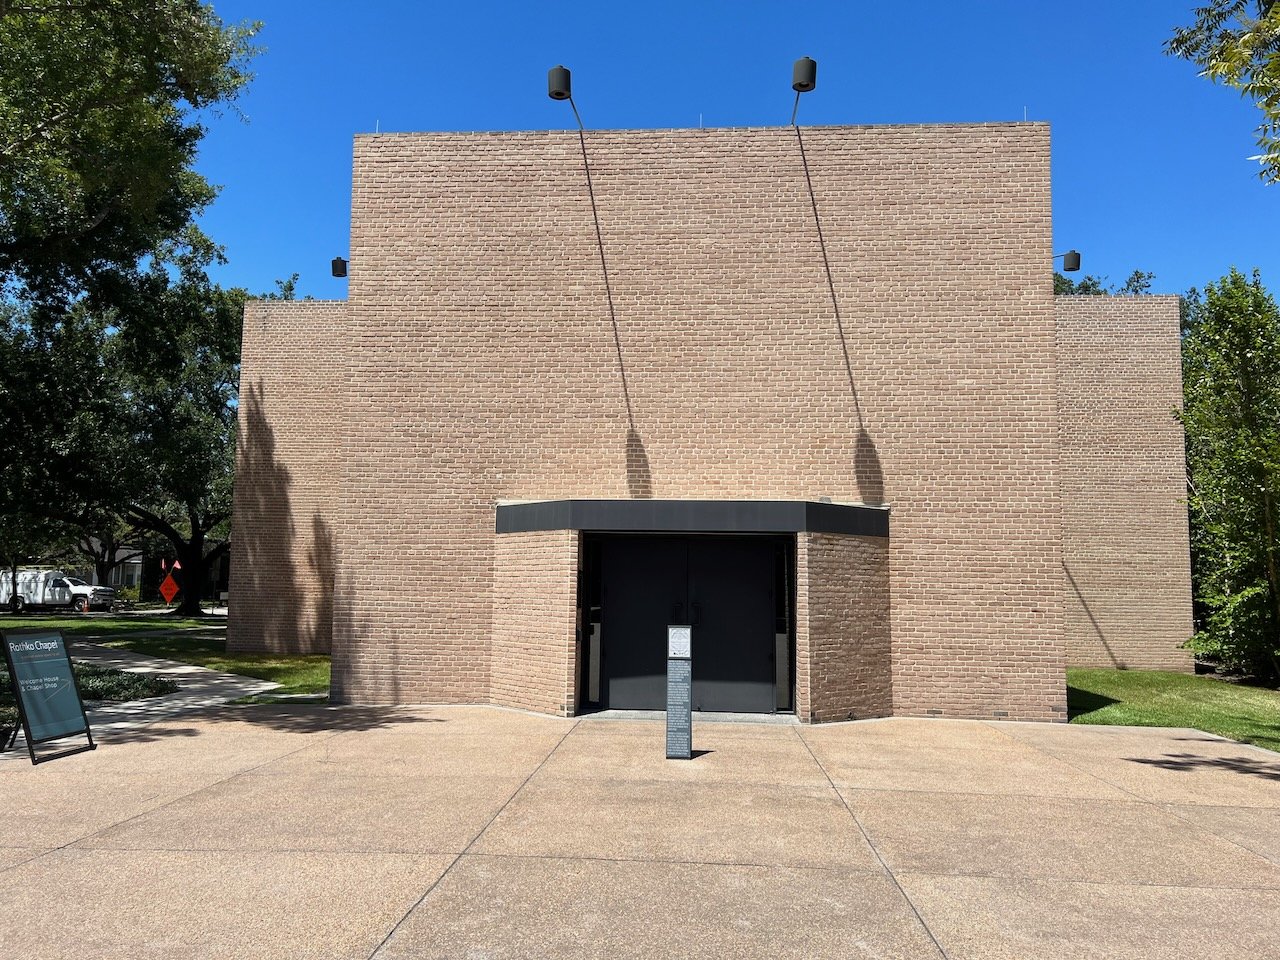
column 206, row 647
column 91, row 626
column 295, row 674
column 1149, row 698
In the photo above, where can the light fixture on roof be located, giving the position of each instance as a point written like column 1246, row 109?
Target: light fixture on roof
column 804, row 77
column 1070, row 260
column 338, row 266
column 560, row 87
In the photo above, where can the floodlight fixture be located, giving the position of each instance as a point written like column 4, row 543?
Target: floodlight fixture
column 1070, row 260
column 560, row 87
column 804, row 77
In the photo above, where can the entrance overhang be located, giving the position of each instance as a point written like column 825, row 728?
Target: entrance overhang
column 694, row 516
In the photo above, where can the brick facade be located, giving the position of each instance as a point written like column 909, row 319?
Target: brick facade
column 533, row 660
column 1126, row 555
column 288, row 473
column 898, row 348
column 844, row 662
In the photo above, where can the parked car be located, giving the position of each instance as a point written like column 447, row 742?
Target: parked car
column 41, row 588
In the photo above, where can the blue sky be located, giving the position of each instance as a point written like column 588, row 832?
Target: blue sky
column 1149, row 160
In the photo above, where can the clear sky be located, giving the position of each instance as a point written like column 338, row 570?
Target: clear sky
column 1150, row 165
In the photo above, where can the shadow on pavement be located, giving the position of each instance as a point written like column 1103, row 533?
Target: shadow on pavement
column 286, row 718
column 1189, row 761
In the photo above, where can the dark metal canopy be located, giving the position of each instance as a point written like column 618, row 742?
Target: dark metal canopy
column 695, row 516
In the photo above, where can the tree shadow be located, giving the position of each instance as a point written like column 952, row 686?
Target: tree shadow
column 269, row 610
column 320, row 558
column 286, row 718
column 867, row 470
column 1187, row 762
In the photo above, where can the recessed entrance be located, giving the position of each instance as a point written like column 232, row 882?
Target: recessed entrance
column 736, row 592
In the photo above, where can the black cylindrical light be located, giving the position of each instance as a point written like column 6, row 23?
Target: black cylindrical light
column 804, row 75
column 558, row 87
column 1071, row 261
column 338, row 266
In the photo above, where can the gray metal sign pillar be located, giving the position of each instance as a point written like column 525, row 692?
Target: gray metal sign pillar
column 679, row 693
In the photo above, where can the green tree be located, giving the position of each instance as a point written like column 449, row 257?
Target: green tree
column 176, row 355
column 106, row 542
column 1139, row 283
column 99, row 130
column 56, row 418
column 1231, row 380
column 1237, row 43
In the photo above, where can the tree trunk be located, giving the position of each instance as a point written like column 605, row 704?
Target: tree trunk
column 191, row 556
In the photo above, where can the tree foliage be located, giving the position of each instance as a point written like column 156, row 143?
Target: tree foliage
column 56, row 406
column 98, row 132
column 1231, row 379
column 1138, row 284
column 1237, row 43
column 176, row 357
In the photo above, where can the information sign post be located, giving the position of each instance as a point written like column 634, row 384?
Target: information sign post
column 679, row 693
column 45, row 688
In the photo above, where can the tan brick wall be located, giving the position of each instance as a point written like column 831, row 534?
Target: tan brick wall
column 288, row 466
column 843, row 656
column 1124, row 518
column 533, row 650
column 485, row 366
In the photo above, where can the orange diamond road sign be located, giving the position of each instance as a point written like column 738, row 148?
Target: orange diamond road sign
column 169, row 589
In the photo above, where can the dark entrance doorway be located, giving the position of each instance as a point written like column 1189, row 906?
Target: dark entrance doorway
column 734, row 590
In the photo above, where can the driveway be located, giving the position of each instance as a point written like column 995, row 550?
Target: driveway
column 477, row 832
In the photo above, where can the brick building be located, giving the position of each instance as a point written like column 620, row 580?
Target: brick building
column 806, row 389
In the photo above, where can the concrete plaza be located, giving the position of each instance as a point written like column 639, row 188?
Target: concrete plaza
column 478, row 832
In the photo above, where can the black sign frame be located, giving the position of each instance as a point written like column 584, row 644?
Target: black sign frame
column 32, row 743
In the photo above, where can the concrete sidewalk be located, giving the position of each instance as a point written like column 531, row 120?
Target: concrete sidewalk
column 198, row 689
column 479, row 832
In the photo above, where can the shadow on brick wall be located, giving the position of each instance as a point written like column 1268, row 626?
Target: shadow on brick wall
column 1097, row 627
column 275, row 611
column 867, row 470
column 321, row 561
column 639, row 479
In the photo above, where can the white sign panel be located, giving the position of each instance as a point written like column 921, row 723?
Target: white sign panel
column 679, row 642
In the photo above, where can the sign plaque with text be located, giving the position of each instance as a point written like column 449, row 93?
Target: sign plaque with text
column 679, row 693
column 45, row 688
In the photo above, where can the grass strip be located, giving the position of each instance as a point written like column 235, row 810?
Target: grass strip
column 1153, row 698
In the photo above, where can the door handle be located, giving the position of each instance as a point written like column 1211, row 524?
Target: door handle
column 677, row 613
column 695, row 614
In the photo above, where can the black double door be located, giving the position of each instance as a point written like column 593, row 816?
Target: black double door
column 724, row 586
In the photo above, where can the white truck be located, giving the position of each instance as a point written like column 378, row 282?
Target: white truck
column 44, row 588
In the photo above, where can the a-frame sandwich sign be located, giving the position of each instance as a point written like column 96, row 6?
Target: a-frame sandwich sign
column 45, row 688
